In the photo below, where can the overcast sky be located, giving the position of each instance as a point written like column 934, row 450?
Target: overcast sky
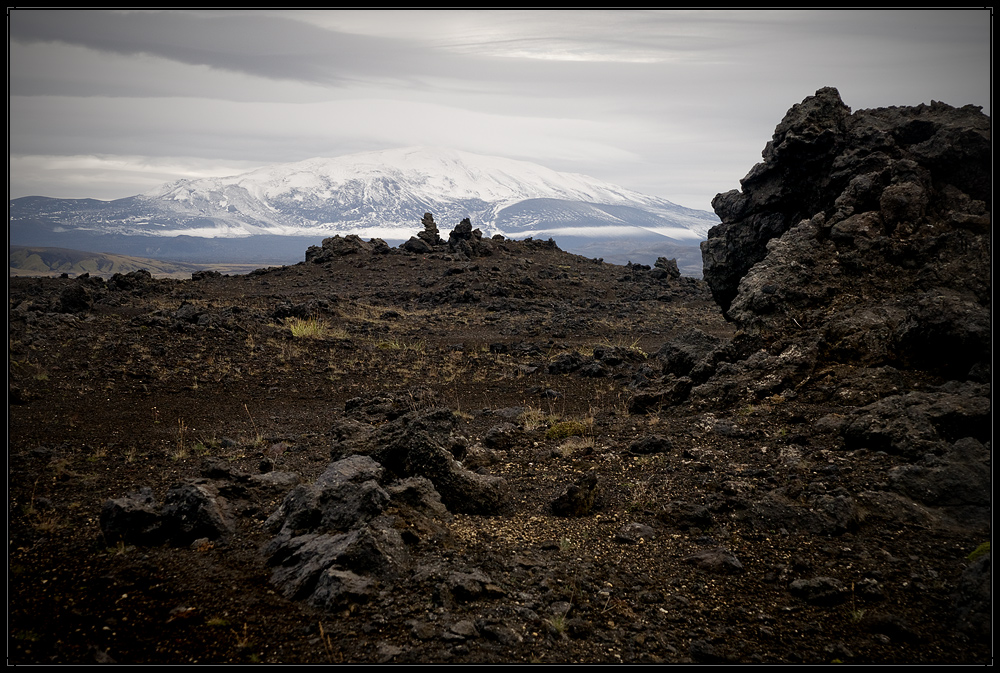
column 677, row 104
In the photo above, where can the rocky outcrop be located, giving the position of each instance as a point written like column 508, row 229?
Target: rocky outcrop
column 855, row 265
column 333, row 537
column 463, row 240
column 468, row 241
column 193, row 509
column 862, row 238
column 352, row 244
column 426, row 240
column 578, row 499
column 419, row 443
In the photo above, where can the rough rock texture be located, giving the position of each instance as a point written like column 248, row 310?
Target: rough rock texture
column 820, row 590
column 191, row 510
column 694, row 353
column 973, row 600
column 420, row 444
column 134, row 516
column 855, row 264
column 578, row 499
column 352, row 244
column 333, row 535
column 857, row 257
column 862, row 239
column 879, row 195
column 194, row 509
column 719, row 561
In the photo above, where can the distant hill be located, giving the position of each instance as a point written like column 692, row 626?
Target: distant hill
column 41, row 261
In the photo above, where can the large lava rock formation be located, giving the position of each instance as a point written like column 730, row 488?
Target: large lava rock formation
column 863, row 238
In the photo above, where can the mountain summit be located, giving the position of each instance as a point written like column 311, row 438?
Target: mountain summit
column 383, row 194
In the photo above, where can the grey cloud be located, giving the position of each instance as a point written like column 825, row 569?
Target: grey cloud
column 277, row 48
column 263, row 46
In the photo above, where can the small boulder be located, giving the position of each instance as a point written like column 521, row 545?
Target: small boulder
column 578, row 499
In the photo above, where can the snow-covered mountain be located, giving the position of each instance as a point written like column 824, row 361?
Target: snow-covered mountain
column 378, row 194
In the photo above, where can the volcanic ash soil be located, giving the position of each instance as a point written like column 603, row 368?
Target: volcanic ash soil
column 738, row 533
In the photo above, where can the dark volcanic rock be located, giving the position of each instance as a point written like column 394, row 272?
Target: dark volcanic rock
column 430, row 234
column 634, row 533
column 855, row 265
column 578, row 499
column 566, row 363
column 651, row 444
column 864, row 239
column 973, row 599
column 876, row 177
column 820, row 590
column 685, row 515
column 468, row 241
column 719, row 561
column 692, row 349
column 76, row 298
column 417, row 245
column 502, row 436
column 135, row 517
column 918, row 422
column 336, row 588
column 792, row 184
column 961, row 478
column 191, row 510
column 332, row 537
column 194, row 509
column 671, row 391
column 461, row 490
column 795, row 509
column 669, row 266
column 420, row 444
column 346, row 495
column 302, row 560
column 334, row 247
column 135, row 281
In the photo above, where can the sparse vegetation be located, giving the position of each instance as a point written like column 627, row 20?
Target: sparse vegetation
column 243, row 639
column 564, row 429
column 314, row 328
column 47, row 522
column 640, row 496
column 181, row 443
column 532, row 419
column 258, row 438
column 627, row 343
column 401, row 345
column 981, row 550
column 558, row 623
column 121, row 549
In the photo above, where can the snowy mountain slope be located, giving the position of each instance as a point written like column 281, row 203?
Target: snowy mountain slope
column 381, row 194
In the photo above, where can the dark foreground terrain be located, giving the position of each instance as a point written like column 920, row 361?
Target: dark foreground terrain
column 474, row 450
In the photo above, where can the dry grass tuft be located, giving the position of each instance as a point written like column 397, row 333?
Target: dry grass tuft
column 314, row 328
